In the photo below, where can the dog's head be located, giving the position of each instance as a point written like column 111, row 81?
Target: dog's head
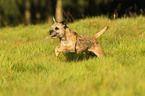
column 58, row 29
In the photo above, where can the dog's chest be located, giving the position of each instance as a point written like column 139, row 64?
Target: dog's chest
column 64, row 42
column 69, row 41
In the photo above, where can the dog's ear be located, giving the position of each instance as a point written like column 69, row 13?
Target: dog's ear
column 54, row 20
column 63, row 22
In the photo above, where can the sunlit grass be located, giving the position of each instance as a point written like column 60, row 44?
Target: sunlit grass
column 29, row 67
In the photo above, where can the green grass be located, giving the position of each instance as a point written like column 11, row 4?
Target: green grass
column 29, row 67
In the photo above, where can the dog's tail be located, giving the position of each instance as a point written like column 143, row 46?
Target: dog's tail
column 101, row 32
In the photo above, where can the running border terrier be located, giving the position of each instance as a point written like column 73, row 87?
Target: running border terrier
column 73, row 42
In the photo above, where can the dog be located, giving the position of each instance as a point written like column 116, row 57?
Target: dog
column 73, row 42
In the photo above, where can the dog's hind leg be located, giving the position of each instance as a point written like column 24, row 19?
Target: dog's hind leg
column 97, row 50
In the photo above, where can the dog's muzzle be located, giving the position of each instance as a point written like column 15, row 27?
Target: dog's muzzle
column 52, row 34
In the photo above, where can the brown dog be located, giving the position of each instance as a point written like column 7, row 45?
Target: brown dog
column 72, row 42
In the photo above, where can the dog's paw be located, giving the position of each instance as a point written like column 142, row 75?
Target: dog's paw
column 57, row 53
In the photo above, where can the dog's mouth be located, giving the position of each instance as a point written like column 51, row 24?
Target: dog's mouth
column 54, row 36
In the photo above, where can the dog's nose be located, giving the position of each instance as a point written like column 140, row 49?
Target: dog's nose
column 50, row 32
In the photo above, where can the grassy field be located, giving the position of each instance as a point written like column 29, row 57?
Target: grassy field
column 28, row 66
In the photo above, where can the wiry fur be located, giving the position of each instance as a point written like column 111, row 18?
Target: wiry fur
column 72, row 42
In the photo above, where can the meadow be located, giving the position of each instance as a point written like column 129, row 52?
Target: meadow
column 29, row 67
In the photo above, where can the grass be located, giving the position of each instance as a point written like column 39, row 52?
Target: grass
column 28, row 66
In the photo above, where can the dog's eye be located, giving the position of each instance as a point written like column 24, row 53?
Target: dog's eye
column 56, row 28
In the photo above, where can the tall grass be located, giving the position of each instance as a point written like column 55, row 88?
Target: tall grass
column 28, row 66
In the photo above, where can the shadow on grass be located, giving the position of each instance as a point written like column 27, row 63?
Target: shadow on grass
column 143, row 52
column 77, row 57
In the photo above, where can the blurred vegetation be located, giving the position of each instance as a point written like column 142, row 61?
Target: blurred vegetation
column 29, row 67
column 14, row 12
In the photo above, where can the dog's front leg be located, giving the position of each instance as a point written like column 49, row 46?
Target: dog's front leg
column 57, row 51
column 63, row 49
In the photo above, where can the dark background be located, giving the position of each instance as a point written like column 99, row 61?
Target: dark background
column 15, row 12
